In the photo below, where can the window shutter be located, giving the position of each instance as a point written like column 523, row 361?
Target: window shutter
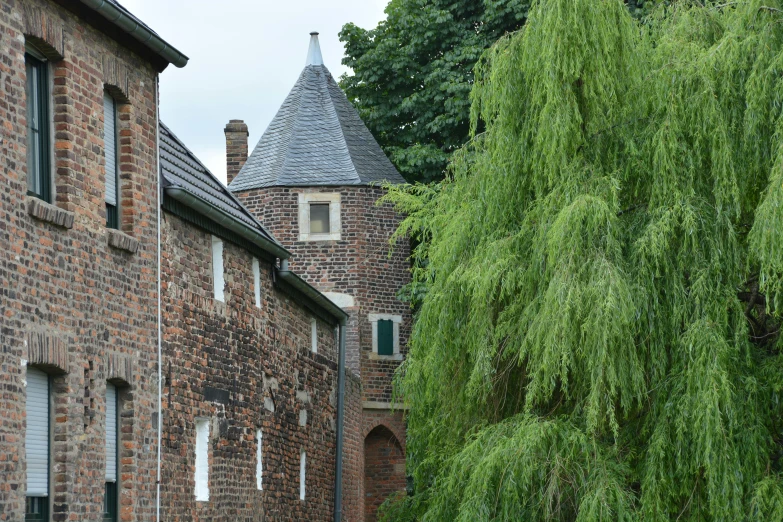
column 217, row 269
column 110, row 148
column 37, row 435
column 385, row 337
column 111, row 433
column 259, row 462
column 202, row 460
column 257, row 281
column 302, row 472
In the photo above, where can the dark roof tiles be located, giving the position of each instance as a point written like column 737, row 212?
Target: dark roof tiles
column 181, row 168
column 316, row 138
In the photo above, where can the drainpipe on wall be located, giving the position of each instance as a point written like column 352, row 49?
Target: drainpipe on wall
column 338, row 474
column 160, row 336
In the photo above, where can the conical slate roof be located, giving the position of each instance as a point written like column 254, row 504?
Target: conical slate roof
column 317, row 138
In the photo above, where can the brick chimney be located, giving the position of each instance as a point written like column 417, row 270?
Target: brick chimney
column 236, row 148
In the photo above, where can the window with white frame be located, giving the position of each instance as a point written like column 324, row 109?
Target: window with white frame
column 314, row 334
column 202, row 460
column 111, row 154
column 257, row 282
column 302, row 473
column 385, row 335
column 259, row 461
column 36, row 445
column 218, row 281
column 319, row 216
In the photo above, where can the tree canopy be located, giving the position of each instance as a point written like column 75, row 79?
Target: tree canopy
column 599, row 339
column 412, row 75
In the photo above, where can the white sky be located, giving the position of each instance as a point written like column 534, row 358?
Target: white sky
column 245, row 56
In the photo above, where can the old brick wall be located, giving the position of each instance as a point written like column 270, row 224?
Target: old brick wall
column 384, row 469
column 353, row 454
column 358, row 265
column 260, row 364
column 69, row 302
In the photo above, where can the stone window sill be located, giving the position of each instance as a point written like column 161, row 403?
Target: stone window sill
column 375, row 357
column 49, row 213
column 122, row 241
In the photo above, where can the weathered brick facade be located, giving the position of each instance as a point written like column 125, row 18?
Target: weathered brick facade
column 244, row 368
column 71, row 303
column 363, row 265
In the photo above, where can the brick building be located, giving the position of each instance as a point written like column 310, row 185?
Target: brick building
column 250, row 358
column 78, row 258
column 314, row 180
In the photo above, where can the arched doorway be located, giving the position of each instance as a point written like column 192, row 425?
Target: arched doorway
column 384, row 469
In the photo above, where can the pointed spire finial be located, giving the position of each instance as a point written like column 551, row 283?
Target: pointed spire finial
column 314, row 53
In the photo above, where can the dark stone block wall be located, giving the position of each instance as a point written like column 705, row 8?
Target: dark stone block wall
column 70, row 303
column 364, row 265
column 259, row 364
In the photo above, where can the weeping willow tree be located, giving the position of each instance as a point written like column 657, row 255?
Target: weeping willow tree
column 602, row 275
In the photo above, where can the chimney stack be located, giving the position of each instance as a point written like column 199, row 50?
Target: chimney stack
column 236, row 148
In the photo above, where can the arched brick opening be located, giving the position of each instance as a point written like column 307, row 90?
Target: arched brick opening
column 384, row 469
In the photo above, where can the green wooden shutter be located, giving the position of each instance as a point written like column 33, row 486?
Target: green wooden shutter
column 385, row 337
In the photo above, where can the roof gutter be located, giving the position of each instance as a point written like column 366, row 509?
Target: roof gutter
column 219, row 216
column 147, row 37
column 284, row 274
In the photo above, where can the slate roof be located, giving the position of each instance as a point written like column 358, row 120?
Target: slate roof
column 316, row 138
column 181, row 168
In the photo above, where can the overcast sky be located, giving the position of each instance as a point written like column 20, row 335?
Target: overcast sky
column 245, row 55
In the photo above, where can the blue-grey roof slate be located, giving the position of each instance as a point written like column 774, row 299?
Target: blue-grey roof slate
column 181, row 168
column 317, row 138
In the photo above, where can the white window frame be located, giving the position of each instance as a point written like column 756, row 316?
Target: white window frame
column 314, row 334
column 308, row 198
column 257, row 281
column 397, row 320
column 201, row 466
column 259, row 460
column 302, row 473
column 218, row 274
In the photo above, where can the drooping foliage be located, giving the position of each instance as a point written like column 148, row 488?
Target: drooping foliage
column 602, row 275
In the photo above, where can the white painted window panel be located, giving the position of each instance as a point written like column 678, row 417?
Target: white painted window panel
column 257, row 281
column 259, row 461
column 110, row 147
column 202, row 460
column 37, row 435
column 302, row 472
column 314, row 334
column 218, row 280
column 111, row 433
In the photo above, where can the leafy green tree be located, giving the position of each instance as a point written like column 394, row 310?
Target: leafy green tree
column 414, row 72
column 600, row 336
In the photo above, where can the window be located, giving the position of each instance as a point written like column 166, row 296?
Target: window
column 38, row 159
column 217, row 269
column 385, row 336
column 259, row 463
column 302, row 471
column 257, row 281
column 36, row 445
column 314, row 334
column 112, row 430
column 319, row 216
column 112, row 157
column 202, row 460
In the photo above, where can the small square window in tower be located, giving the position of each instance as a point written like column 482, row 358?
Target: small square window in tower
column 385, row 337
column 319, row 218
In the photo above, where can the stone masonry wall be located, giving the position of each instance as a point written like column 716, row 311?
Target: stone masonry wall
column 243, row 368
column 358, row 264
column 70, row 303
